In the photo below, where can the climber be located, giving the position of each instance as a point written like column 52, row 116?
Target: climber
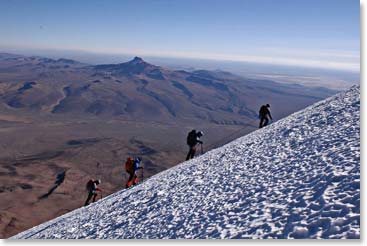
column 131, row 166
column 192, row 140
column 264, row 112
column 92, row 187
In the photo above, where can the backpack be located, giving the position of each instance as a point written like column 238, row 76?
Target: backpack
column 263, row 110
column 191, row 138
column 89, row 185
column 129, row 164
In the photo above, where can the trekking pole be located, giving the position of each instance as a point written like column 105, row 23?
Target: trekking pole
column 201, row 146
column 142, row 174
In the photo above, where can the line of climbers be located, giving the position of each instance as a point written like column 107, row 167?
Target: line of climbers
column 132, row 164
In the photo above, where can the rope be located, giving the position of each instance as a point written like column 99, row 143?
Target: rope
column 221, row 140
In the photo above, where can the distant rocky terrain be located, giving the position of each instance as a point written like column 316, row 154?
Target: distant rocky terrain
column 141, row 91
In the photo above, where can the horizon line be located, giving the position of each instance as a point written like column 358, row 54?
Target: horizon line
column 255, row 59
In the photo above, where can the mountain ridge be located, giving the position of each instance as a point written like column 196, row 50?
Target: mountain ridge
column 139, row 90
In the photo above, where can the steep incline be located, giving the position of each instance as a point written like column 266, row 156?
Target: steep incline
column 297, row 178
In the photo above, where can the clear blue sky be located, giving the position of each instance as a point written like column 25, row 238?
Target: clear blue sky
column 308, row 32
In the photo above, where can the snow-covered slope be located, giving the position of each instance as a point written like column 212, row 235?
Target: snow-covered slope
column 297, row 178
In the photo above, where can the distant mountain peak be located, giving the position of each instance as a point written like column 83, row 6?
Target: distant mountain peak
column 70, row 61
column 134, row 66
column 137, row 60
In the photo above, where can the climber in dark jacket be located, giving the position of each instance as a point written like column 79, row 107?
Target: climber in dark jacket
column 264, row 112
column 92, row 187
column 193, row 138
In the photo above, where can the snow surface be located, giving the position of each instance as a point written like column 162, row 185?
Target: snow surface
column 297, row 178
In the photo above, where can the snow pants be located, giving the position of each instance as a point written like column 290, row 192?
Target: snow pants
column 133, row 179
column 263, row 121
column 90, row 195
column 191, row 153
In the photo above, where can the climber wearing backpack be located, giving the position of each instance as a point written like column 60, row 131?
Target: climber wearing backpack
column 192, row 140
column 264, row 112
column 131, row 166
column 92, row 187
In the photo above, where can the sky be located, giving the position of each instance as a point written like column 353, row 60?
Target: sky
column 309, row 33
